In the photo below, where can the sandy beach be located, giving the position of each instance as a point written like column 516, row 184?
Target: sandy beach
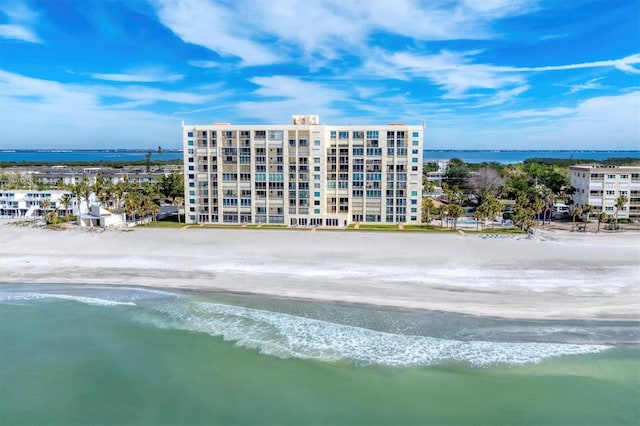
column 556, row 274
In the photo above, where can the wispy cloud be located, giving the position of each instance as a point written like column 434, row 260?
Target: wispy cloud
column 550, row 112
column 624, row 64
column 215, row 27
column 21, row 21
column 139, row 77
column 277, row 97
column 595, row 123
column 74, row 116
column 588, row 85
column 269, row 31
column 457, row 73
column 204, row 64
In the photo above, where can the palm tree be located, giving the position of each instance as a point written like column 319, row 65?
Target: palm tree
column 602, row 217
column 455, row 211
column 44, row 206
column 131, row 204
column 52, row 217
column 427, row 206
column 178, row 201
column 65, row 201
column 577, row 211
column 620, row 202
column 586, row 210
column 77, row 192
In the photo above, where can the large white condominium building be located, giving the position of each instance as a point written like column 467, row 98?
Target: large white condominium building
column 303, row 174
column 601, row 186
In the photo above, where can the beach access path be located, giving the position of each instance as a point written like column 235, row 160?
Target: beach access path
column 556, row 274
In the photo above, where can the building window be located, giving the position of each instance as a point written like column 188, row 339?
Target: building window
column 275, row 134
column 189, row 134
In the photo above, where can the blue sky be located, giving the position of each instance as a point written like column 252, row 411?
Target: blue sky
column 484, row 74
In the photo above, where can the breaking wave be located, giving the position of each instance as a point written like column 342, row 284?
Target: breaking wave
column 294, row 336
column 23, row 296
column 288, row 336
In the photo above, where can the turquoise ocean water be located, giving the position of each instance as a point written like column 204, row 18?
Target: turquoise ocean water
column 126, row 355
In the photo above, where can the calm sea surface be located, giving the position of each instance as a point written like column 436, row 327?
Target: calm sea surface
column 125, row 356
column 510, row 157
column 505, row 157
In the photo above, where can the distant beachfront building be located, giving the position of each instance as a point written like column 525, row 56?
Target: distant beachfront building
column 70, row 175
column 34, row 204
column 600, row 187
column 303, row 174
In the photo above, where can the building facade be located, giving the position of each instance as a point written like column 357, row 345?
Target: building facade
column 601, row 186
column 35, row 204
column 303, row 174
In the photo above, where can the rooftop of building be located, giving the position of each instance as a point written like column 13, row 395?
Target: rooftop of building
column 301, row 120
column 603, row 167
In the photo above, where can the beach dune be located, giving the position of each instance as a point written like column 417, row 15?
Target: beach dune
column 554, row 275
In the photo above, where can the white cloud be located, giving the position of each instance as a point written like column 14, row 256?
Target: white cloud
column 625, row 64
column 215, row 27
column 503, row 96
column 21, row 20
column 458, row 75
column 604, row 122
column 204, row 64
column 547, row 113
column 78, row 115
column 268, row 31
column 588, row 85
column 284, row 96
column 18, row 32
column 454, row 72
column 139, row 77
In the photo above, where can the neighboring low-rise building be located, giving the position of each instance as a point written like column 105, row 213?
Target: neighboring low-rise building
column 303, row 174
column 600, row 187
column 35, row 204
column 55, row 176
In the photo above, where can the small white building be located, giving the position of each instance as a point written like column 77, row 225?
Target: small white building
column 99, row 217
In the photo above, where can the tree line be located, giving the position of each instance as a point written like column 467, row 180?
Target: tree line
column 525, row 193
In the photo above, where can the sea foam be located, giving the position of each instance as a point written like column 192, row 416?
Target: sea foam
column 22, row 296
column 289, row 336
column 292, row 336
